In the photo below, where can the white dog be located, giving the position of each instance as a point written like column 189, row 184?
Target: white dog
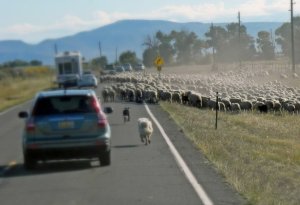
column 145, row 130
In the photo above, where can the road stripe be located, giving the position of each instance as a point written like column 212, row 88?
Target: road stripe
column 181, row 163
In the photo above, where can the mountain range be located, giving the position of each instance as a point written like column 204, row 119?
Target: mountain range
column 114, row 39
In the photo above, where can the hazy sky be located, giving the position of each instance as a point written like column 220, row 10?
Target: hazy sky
column 36, row 20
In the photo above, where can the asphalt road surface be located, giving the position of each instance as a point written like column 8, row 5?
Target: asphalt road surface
column 138, row 174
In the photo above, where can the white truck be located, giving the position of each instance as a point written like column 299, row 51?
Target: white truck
column 69, row 68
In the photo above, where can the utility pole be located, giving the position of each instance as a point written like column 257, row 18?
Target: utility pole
column 213, row 41
column 239, row 22
column 213, row 46
column 100, row 50
column 292, row 36
column 116, row 55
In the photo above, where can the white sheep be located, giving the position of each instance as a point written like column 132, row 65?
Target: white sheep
column 145, row 130
column 235, row 107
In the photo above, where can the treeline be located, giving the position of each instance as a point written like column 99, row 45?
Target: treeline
column 125, row 57
column 220, row 44
column 23, row 69
column 20, row 63
column 231, row 43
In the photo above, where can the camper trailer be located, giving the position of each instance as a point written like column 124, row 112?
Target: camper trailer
column 69, row 68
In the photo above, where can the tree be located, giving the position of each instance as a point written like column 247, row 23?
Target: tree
column 165, row 49
column 128, row 57
column 99, row 62
column 216, row 40
column 151, row 42
column 149, row 56
column 15, row 63
column 35, row 63
column 265, row 45
column 188, row 48
column 283, row 38
column 151, row 51
column 230, row 43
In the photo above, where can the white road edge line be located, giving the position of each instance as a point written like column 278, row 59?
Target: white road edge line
column 7, row 168
column 181, row 163
column 14, row 107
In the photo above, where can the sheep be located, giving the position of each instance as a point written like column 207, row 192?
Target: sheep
column 297, row 107
column 105, row 95
column 176, row 97
column 238, row 86
column 277, row 106
column 165, row 96
column 145, row 130
column 138, row 96
column 185, row 98
column 212, row 104
column 235, row 100
column 221, row 106
column 227, row 103
column 130, row 93
column 195, row 99
column 205, row 101
column 246, row 105
column 151, row 96
column 263, row 108
column 111, row 95
column 289, row 107
column 235, row 107
column 270, row 104
column 259, row 106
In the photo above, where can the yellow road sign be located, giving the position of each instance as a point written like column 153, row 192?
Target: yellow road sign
column 159, row 61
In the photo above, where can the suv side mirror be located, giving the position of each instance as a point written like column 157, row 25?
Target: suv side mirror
column 23, row 114
column 108, row 110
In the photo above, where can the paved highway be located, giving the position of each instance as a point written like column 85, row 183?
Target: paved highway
column 138, row 174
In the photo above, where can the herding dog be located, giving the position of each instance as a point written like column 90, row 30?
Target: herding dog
column 126, row 114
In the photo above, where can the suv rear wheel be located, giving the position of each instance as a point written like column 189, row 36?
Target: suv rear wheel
column 105, row 158
column 29, row 162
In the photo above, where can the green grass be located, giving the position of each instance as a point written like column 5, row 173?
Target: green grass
column 258, row 154
column 14, row 91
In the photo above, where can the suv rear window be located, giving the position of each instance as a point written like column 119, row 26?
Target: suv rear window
column 63, row 105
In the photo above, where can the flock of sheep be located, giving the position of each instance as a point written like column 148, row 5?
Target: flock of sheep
column 238, row 90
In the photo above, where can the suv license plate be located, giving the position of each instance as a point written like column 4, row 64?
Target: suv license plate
column 66, row 125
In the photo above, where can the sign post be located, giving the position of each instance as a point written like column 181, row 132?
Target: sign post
column 159, row 62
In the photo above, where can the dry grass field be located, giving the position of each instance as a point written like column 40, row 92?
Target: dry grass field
column 14, row 91
column 258, row 154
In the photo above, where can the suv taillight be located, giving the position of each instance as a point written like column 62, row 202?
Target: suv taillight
column 30, row 126
column 102, row 122
column 96, row 105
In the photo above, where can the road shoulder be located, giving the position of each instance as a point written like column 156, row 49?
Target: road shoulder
column 214, row 184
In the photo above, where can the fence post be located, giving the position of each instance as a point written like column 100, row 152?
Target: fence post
column 217, row 108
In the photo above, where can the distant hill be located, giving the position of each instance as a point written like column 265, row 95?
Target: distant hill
column 115, row 38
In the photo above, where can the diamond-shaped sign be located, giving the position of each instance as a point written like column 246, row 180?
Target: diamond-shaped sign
column 159, row 61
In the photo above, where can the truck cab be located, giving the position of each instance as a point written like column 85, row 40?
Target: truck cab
column 69, row 68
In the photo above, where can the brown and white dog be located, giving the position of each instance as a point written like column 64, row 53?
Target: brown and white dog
column 145, row 130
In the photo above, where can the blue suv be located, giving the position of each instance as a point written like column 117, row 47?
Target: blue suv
column 66, row 124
